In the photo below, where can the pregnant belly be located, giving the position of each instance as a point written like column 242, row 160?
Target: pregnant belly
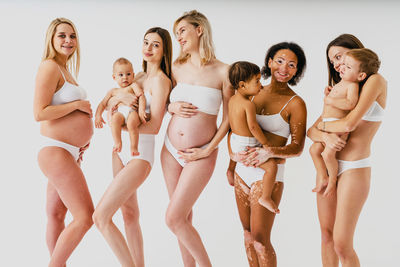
column 191, row 132
column 76, row 129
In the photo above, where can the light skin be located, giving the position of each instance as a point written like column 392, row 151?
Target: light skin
column 341, row 99
column 67, row 189
column 123, row 75
column 185, row 184
column 121, row 193
column 242, row 120
column 338, row 214
column 257, row 221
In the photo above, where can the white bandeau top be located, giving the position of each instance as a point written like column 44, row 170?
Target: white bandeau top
column 374, row 113
column 206, row 99
column 68, row 93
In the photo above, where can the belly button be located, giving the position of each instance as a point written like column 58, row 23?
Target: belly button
column 180, row 133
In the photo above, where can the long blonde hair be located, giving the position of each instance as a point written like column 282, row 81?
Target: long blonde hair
column 206, row 48
column 73, row 61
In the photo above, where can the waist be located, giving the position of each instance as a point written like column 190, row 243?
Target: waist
column 75, row 128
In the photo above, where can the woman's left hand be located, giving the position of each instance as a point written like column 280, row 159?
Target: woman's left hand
column 257, row 156
column 192, row 154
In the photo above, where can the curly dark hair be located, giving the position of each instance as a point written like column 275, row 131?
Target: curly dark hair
column 296, row 49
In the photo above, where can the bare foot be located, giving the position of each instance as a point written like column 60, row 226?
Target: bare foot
column 322, row 182
column 330, row 190
column 134, row 151
column 269, row 204
column 117, row 147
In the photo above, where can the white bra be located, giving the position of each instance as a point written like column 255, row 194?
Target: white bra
column 206, row 99
column 374, row 113
column 275, row 123
column 68, row 93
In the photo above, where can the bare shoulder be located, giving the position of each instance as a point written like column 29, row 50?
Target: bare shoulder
column 222, row 67
column 49, row 66
column 376, row 79
column 297, row 103
column 161, row 80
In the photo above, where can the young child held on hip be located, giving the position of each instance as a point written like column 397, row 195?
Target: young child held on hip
column 358, row 65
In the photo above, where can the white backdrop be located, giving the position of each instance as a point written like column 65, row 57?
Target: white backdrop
column 242, row 31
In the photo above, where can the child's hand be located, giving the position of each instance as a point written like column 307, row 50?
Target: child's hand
column 98, row 122
column 327, row 90
column 142, row 116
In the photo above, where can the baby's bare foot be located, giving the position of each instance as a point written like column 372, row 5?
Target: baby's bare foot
column 134, row 151
column 269, row 204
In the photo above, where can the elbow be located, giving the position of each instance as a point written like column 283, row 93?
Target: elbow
column 349, row 126
column 37, row 117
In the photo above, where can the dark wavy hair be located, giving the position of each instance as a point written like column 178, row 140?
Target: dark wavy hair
column 344, row 40
column 297, row 50
column 242, row 71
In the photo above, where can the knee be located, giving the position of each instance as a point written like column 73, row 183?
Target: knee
column 342, row 247
column 316, row 149
column 130, row 215
column 174, row 220
column 248, row 238
column 100, row 220
column 56, row 214
column 260, row 238
column 85, row 221
column 326, row 236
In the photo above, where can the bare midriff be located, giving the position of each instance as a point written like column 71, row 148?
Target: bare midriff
column 195, row 131
column 75, row 129
column 358, row 145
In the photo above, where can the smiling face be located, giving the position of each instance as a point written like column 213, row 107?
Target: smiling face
column 123, row 74
column 283, row 66
column 152, row 48
column 336, row 55
column 64, row 40
column 188, row 36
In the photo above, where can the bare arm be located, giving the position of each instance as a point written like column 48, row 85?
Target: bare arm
column 161, row 87
column 46, row 83
column 101, row 107
column 373, row 87
column 331, row 140
column 347, row 103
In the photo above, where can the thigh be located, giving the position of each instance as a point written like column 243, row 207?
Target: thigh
column 133, row 120
column 171, row 170
column 123, row 186
column 194, row 177
column 66, row 176
column 117, row 164
column 261, row 219
column 352, row 192
column 242, row 201
column 326, row 207
column 54, row 204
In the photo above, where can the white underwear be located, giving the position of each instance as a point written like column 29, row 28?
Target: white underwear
column 250, row 174
column 174, row 152
column 47, row 141
column 329, row 119
column 145, row 148
column 345, row 165
column 124, row 110
column 240, row 143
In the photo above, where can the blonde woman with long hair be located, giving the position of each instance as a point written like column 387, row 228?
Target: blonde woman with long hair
column 188, row 156
column 66, row 127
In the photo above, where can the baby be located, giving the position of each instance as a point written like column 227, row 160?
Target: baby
column 245, row 79
column 357, row 66
column 123, row 116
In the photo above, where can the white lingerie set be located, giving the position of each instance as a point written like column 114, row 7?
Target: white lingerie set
column 374, row 113
column 146, row 141
column 67, row 93
column 271, row 123
column 206, row 99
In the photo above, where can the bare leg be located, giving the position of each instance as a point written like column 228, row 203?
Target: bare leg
column 270, row 167
column 120, row 190
column 56, row 211
column 67, row 178
column 172, row 170
column 243, row 204
column 117, row 121
column 133, row 129
column 194, row 177
column 130, row 212
column 326, row 215
column 329, row 156
column 322, row 178
column 353, row 188
column 261, row 222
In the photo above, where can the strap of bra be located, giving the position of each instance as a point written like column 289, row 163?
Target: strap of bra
column 287, row 103
column 61, row 73
column 252, row 98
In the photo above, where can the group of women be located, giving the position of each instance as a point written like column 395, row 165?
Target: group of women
column 192, row 89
